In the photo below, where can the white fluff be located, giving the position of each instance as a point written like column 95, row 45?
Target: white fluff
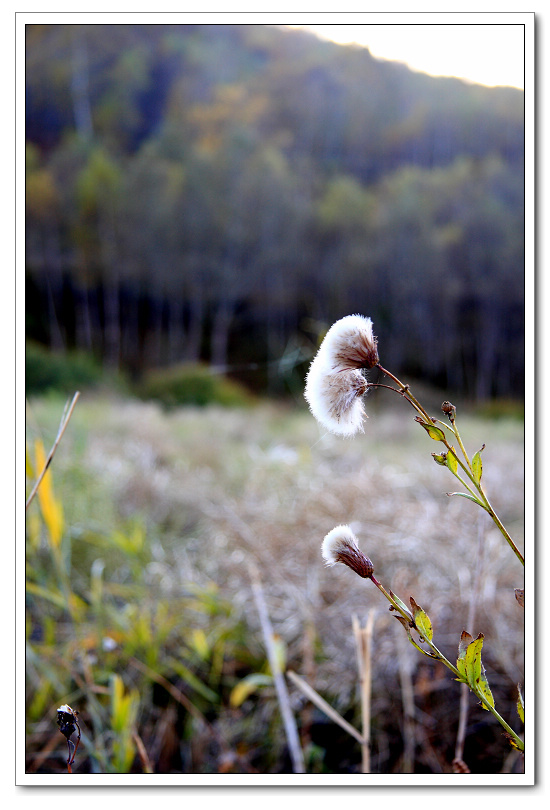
column 349, row 342
column 339, row 540
column 334, row 398
column 334, row 383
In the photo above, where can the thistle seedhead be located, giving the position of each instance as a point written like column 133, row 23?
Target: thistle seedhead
column 335, row 383
column 351, row 344
column 340, row 546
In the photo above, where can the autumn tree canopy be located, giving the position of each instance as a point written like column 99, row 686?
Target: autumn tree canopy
column 225, row 192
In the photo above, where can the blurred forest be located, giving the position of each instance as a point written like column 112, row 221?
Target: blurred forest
column 225, row 192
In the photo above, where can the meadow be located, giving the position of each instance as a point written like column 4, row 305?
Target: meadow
column 140, row 611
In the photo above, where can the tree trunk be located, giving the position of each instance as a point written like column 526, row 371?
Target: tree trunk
column 220, row 333
column 195, row 328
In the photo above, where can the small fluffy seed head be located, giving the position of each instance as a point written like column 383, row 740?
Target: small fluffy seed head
column 340, row 545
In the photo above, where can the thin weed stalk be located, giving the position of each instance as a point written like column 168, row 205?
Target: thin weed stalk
column 289, row 722
column 407, row 699
column 458, row 761
column 325, row 707
column 67, row 413
column 363, row 645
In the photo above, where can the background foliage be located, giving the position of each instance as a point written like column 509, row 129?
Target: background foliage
column 223, row 193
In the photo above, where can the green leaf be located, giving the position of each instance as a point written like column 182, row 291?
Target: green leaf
column 451, row 461
column 422, row 621
column 56, row 597
column 192, row 680
column 249, row 684
column 401, row 604
column 406, row 625
column 467, row 495
column 520, row 706
column 477, row 466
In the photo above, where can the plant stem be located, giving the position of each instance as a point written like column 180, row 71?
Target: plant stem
column 437, row 654
column 459, row 440
column 405, row 391
column 363, row 642
column 489, row 509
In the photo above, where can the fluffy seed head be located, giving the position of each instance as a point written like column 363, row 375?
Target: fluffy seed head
column 340, row 545
column 334, row 398
column 335, row 383
column 350, row 343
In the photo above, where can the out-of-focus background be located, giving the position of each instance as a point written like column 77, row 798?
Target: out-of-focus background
column 203, row 201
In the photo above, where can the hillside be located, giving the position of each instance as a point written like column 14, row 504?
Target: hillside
column 224, row 192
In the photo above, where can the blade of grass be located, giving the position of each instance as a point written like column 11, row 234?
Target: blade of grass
column 363, row 643
column 325, row 707
column 289, row 722
column 64, row 422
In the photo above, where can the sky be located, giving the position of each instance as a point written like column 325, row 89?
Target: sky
column 485, row 54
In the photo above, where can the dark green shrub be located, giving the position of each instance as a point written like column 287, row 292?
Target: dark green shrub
column 192, row 384
column 49, row 371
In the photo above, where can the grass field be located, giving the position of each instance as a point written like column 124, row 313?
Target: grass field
column 140, row 610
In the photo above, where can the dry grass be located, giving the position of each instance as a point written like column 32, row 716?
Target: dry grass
column 215, row 487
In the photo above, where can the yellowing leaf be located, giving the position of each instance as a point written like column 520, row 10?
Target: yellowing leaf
column 473, row 661
column 51, row 508
column 279, row 648
column 200, row 643
column 247, row 686
column 422, row 621
column 433, row 432
column 451, row 461
column 484, row 689
column 477, row 466
column 520, row 706
column 465, row 639
column 29, row 469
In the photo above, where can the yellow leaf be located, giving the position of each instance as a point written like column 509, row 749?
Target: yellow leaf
column 33, row 531
column 451, row 461
column 50, row 507
column 200, row 643
column 249, row 684
column 29, row 469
